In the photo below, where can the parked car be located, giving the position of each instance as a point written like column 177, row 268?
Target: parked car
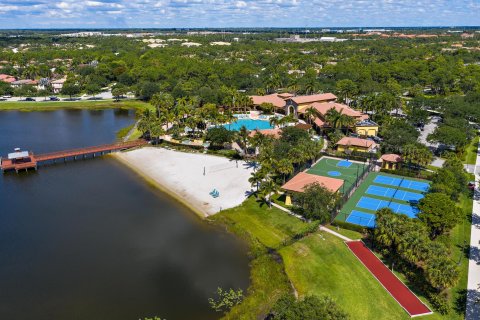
column 30, row 99
column 7, row 96
column 471, row 185
column 54, row 99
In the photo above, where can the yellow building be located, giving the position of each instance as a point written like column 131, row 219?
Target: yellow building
column 391, row 161
column 366, row 128
column 356, row 145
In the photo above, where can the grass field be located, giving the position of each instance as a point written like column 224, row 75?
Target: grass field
column 271, row 227
column 53, row 105
column 322, row 264
column 263, row 229
column 326, row 166
column 361, row 192
column 471, row 152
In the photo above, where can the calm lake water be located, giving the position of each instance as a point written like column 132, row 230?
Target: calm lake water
column 90, row 240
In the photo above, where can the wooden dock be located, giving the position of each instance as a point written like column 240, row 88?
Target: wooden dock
column 33, row 160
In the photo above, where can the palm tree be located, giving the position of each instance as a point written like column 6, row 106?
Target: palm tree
column 442, row 272
column 284, row 167
column 310, row 114
column 243, row 134
column 275, row 121
column 267, row 187
column 163, row 102
column 255, row 178
column 332, row 116
column 346, row 122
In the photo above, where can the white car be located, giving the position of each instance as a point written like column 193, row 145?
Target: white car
column 7, row 96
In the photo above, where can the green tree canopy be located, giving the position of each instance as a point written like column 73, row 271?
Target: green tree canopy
column 439, row 213
column 315, row 202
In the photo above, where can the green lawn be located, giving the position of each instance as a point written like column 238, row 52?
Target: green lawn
column 263, row 229
column 322, row 264
column 354, row 235
column 348, row 175
column 471, row 152
column 271, row 227
column 52, row 105
column 269, row 282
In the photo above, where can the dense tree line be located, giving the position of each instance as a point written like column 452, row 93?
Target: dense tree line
column 417, row 246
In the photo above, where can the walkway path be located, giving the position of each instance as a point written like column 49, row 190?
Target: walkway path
column 473, row 286
column 131, row 131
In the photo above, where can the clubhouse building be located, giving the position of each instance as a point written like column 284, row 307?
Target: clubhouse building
column 287, row 103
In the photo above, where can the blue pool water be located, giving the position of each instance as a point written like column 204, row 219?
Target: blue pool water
column 250, row 124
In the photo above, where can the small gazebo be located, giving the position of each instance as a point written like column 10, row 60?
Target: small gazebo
column 391, row 161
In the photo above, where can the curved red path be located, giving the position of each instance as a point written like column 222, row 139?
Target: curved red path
column 389, row 281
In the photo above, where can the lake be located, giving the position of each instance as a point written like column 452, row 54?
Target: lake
column 91, row 240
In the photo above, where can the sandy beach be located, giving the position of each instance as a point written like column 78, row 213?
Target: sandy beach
column 190, row 177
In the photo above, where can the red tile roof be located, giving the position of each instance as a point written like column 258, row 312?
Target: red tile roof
column 322, row 108
column 274, row 99
column 391, row 157
column 357, row 142
column 7, row 78
column 319, row 122
column 276, row 133
column 303, row 179
column 314, row 98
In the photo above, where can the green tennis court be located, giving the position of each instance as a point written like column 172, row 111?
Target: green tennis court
column 343, row 169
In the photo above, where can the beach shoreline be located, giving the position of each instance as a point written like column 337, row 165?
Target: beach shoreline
column 179, row 175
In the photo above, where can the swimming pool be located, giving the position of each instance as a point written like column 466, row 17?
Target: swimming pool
column 250, row 124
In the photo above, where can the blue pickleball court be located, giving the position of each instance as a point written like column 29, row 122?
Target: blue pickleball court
column 376, row 204
column 344, row 163
column 394, row 193
column 404, row 183
column 361, row 218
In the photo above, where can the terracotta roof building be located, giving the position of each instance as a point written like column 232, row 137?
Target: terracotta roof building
column 7, row 78
column 356, row 144
column 298, row 104
column 391, row 161
column 275, row 133
column 303, row 179
column 277, row 100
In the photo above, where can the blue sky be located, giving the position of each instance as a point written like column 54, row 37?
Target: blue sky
column 236, row 13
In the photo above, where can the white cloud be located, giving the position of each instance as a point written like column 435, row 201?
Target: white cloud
column 241, row 13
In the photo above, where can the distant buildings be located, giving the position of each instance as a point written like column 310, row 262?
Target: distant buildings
column 220, row 43
column 191, row 44
column 26, row 82
column 298, row 39
column 7, row 78
column 57, row 85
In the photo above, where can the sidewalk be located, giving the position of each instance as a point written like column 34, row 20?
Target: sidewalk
column 473, row 289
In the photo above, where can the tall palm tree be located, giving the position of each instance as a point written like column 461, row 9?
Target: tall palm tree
column 243, row 134
column 267, row 187
column 256, row 178
column 310, row 114
column 285, row 168
column 163, row 102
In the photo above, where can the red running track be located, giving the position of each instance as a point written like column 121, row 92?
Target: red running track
column 389, row 281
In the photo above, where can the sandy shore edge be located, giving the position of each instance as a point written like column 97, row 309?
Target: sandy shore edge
column 162, row 186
